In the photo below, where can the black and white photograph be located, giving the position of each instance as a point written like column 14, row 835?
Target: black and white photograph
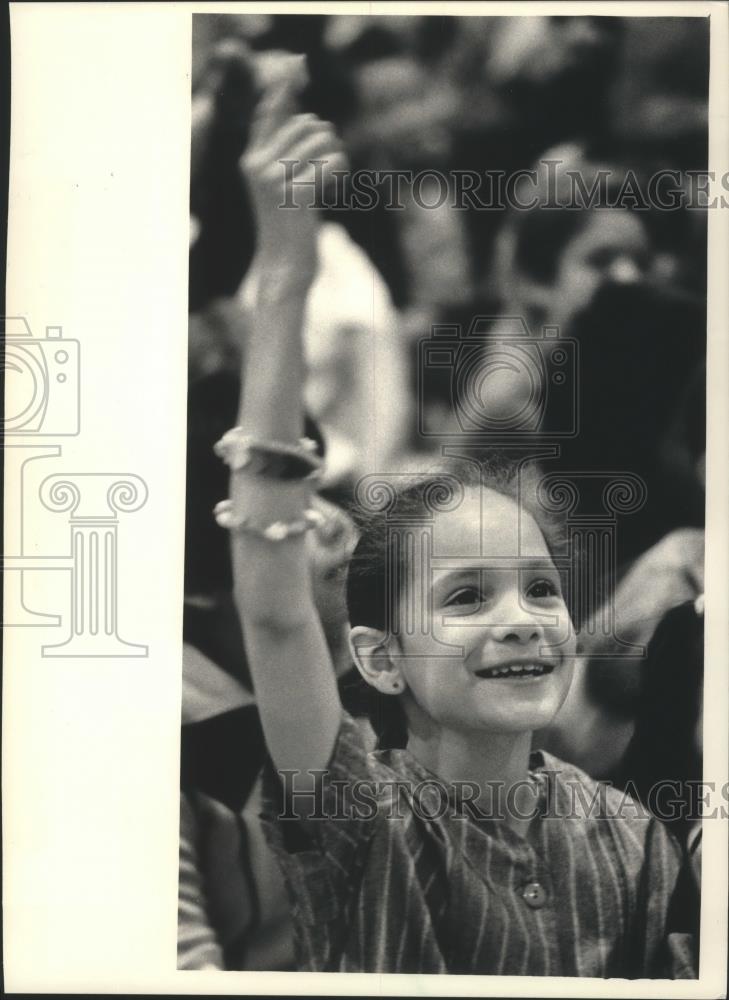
column 366, row 380
column 444, row 548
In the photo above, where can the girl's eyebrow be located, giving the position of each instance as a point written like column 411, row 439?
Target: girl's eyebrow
column 477, row 570
column 447, row 578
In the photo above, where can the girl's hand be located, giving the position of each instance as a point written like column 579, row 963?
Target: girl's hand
column 286, row 254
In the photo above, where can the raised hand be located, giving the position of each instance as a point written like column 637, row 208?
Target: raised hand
column 286, row 258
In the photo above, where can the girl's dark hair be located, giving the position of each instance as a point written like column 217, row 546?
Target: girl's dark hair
column 380, row 506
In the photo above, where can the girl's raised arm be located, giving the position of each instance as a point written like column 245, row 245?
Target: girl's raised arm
column 293, row 676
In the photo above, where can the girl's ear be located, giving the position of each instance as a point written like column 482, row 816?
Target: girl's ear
column 369, row 648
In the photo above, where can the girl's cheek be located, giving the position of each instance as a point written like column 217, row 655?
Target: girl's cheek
column 573, row 637
column 565, row 631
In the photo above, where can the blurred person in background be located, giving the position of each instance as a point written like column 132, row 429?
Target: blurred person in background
column 607, row 700
column 596, row 275
column 404, row 105
column 553, row 262
column 659, row 103
column 552, row 266
column 527, row 83
column 553, row 73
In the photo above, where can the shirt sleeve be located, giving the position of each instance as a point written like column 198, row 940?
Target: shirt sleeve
column 670, row 909
column 197, row 943
column 321, row 840
column 684, row 917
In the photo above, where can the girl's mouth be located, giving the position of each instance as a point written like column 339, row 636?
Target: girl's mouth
column 516, row 670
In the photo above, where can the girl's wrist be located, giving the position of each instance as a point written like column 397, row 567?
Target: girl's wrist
column 275, row 285
column 279, row 293
column 278, row 272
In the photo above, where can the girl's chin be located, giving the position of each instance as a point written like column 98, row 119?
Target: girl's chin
column 516, row 718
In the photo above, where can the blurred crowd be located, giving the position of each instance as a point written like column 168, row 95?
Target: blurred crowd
column 625, row 286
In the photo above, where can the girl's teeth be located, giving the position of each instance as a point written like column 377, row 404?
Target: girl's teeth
column 526, row 669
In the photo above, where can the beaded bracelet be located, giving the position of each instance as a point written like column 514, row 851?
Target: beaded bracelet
column 277, row 531
column 273, row 459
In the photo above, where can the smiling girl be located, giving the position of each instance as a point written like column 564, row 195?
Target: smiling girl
column 460, row 627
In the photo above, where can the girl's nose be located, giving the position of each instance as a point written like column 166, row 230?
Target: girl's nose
column 521, row 634
column 516, row 624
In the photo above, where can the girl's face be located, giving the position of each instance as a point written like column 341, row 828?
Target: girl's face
column 494, row 596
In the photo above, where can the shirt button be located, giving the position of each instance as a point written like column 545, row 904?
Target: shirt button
column 534, row 895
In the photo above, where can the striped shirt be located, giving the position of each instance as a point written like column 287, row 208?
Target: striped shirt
column 399, row 892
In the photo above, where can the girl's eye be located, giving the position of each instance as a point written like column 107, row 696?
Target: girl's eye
column 540, row 589
column 464, row 597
